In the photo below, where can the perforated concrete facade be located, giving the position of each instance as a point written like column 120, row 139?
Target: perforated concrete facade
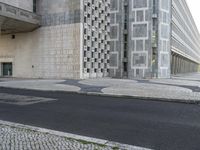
column 96, row 46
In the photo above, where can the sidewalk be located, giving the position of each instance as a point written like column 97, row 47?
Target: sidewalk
column 15, row 136
column 181, row 88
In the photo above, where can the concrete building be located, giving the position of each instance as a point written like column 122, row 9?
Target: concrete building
column 152, row 38
column 54, row 39
column 97, row 38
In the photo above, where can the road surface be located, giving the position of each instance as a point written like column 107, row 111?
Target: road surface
column 151, row 124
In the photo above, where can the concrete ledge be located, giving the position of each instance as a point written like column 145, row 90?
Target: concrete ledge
column 16, row 20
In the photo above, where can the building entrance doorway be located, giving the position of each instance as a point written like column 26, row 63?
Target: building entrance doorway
column 7, row 69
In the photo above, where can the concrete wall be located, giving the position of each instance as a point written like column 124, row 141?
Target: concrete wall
column 117, row 38
column 131, row 38
column 52, row 51
column 140, row 49
column 164, row 38
column 59, row 12
column 49, row 52
column 23, row 4
column 56, row 50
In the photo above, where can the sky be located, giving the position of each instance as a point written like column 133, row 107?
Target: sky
column 195, row 10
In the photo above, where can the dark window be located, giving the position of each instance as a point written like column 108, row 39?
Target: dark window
column 125, row 54
column 34, row 6
column 125, row 67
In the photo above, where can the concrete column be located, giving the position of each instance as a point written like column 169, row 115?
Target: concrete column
column 181, row 65
column 172, row 66
column 176, row 64
column 1, row 70
column 1, row 74
column 188, row 66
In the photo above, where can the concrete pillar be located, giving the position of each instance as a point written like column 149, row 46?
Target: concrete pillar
column 175, row 65
column 1, row 74
column 178, row 65
column 172, row 63
column 181, row 64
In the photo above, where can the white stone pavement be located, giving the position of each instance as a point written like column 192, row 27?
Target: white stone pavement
column 15, row 136
column 182, row 87
column 36, row 84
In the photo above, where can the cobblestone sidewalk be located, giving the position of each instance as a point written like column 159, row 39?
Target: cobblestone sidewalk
column 12, row 138
column 20, row 137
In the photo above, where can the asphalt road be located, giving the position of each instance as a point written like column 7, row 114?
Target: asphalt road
column 150, row 124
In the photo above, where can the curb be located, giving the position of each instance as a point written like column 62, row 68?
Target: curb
column 73, row 136
column 112, row 95
column 144, row 98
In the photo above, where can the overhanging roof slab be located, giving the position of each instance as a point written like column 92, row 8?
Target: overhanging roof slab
column 16, row 20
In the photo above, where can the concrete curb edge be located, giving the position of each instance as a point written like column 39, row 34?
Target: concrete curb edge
column 73, row 136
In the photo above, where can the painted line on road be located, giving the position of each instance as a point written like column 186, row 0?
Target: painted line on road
column 74, row 136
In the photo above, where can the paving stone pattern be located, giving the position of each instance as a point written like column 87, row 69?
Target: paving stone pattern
column 12, row 138
column 184, row 87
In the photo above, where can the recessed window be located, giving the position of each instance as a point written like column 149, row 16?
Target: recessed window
column 34, row 6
